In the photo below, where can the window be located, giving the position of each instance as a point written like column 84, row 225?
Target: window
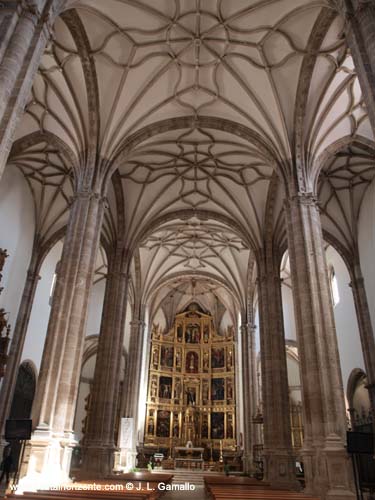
column 53, row 284
column 334, row 288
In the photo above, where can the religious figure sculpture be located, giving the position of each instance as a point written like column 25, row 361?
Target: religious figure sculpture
column 177, row 390
column 190, row 396
column 151, row 426
column 206, row 360
column 153, row 388
column 178, row 358
column 155, row 358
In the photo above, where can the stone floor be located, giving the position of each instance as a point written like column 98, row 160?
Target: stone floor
column 183, row 476
column 197, row 494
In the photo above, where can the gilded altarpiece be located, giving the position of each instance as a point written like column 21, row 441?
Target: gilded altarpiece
column 191, row 390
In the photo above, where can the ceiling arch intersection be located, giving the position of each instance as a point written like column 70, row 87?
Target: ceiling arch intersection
column 196, row 170
column 330, row 103
column 343, row 182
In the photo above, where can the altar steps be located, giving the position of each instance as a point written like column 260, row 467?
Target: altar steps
column 181, row 476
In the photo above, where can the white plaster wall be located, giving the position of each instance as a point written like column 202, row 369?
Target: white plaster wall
column 127, row 327
column 288, row 313
column 294, row 379
column 257, row 331
column 17, row 227
column 367, row 246
column 348, row 339
column 159, row 319
column 226, row 321
column 95, row 308
column 37, row 329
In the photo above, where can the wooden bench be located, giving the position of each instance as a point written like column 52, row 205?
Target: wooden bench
column 47, row 495
column 136, row 477
column 87, row 491
column 249, row 492
column 234, row 480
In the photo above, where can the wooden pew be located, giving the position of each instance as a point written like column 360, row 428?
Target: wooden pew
column 82, row 491
column 235, row 480
column 249, row 492
column 97, row 495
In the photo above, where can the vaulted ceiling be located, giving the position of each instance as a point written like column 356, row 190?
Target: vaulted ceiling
column 218, row 101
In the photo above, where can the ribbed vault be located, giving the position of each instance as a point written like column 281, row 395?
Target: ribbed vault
column 196, row 107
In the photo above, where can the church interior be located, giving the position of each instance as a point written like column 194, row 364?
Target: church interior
column 187, row 242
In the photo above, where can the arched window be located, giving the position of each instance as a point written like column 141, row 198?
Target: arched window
column 334, row 287
column 53, row 284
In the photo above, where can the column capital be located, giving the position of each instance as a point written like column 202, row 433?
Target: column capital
column 248, row 328
column 302, row 198
column 88, row 195
column 357, row 282
column 33, row 275
column 115, row 274
column 137, row 322
column 29, row 9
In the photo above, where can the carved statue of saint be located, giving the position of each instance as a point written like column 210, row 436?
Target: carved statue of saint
column 151, row 426
column 155, row 358
column 177, row 390
column 205, row 391
column 191, row 362
column 178, row 358
column 229, row 359
column 206, row 360
column 190, row 396
column 153, row 389
column 206, row 333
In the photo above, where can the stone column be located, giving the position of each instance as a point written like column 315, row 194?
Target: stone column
column 24, row 32
column 54, row 406
column 278, row 452
column 131, row 388
column 326, row 463
column 18, row 340
column 133, row 370
column 249, row 383
column 98, row 452
column 365, row 329
column 360, row 36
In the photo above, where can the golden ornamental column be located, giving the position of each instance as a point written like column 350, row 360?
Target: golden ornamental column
column 327, row 465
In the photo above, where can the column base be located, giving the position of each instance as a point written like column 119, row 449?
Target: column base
column 128, row 458
column 46, row 461
column 328, row 471
column 97, row 461
column 280, row 470
column 3, row 444
column 248, row 465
